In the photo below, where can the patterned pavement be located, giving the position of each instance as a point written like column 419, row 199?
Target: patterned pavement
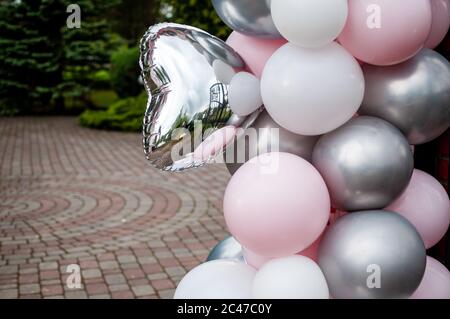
column 74, row 196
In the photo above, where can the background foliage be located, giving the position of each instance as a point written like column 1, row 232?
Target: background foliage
column 47, row 68
column 125, row 71
column 31, row 54
column 42, row 61
column 123, row 115
column 198, row 13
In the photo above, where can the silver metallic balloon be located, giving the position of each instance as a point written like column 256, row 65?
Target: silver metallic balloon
column 185, row 96
column 366, row 164
column 250, row 17
column 228, row 248
column 267, row 136
column 414, row 95
column 373, row 254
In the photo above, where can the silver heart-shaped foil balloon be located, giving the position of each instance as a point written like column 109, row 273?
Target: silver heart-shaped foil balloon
column 186, row 98
column 250, row 17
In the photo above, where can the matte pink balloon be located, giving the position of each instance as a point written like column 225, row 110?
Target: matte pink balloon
column 255, row 51
column 214, row 143
column 425, row 204
column 257, row 261
column 435, row 283
column 312, row 251
column 440, row 23
column 386, row 32
column 254, row 260
column 276, row 205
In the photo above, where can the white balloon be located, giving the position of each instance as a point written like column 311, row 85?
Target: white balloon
column 310, row 23
column 312, row 91
column 223, row 71
column 218, row 279
column 295, row 277
column 244, row 94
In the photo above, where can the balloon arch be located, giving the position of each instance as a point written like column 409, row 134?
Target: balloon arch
column 321, row 104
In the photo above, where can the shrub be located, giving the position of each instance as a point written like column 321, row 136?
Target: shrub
column 124, row 115
column 125, row 72
column 102, row 99
column 101, row 80
column 8, row 109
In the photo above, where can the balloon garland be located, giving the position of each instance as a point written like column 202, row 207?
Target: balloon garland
column 324, row 201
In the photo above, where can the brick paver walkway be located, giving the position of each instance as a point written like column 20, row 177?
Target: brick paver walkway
column 70, row 195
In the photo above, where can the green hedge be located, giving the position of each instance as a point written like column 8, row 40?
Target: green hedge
column 102, row 99
column 125, row 72
column 124, row 115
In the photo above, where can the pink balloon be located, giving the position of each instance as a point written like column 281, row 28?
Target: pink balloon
column 214, row 143
column 312, row 252
column 435, row 283
column 254, row 260
column 440, row 23
column 257, row 261
column 255, row 51
column 386, row 32
column 426, row 205
column 276, row 205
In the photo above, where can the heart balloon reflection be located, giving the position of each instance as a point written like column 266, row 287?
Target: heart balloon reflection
column 186, row 99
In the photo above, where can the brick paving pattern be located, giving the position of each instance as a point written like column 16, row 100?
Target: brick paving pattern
column 70, row 195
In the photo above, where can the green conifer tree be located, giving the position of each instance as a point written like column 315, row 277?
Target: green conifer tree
column 41, row 58
column 30, row 53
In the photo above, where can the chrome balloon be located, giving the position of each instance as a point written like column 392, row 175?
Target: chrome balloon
column 250, row 17
column 185, row 97
column 373, row 254
column 367, row 164
column 228, row 248
column 263, row 136
column 414, row 95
